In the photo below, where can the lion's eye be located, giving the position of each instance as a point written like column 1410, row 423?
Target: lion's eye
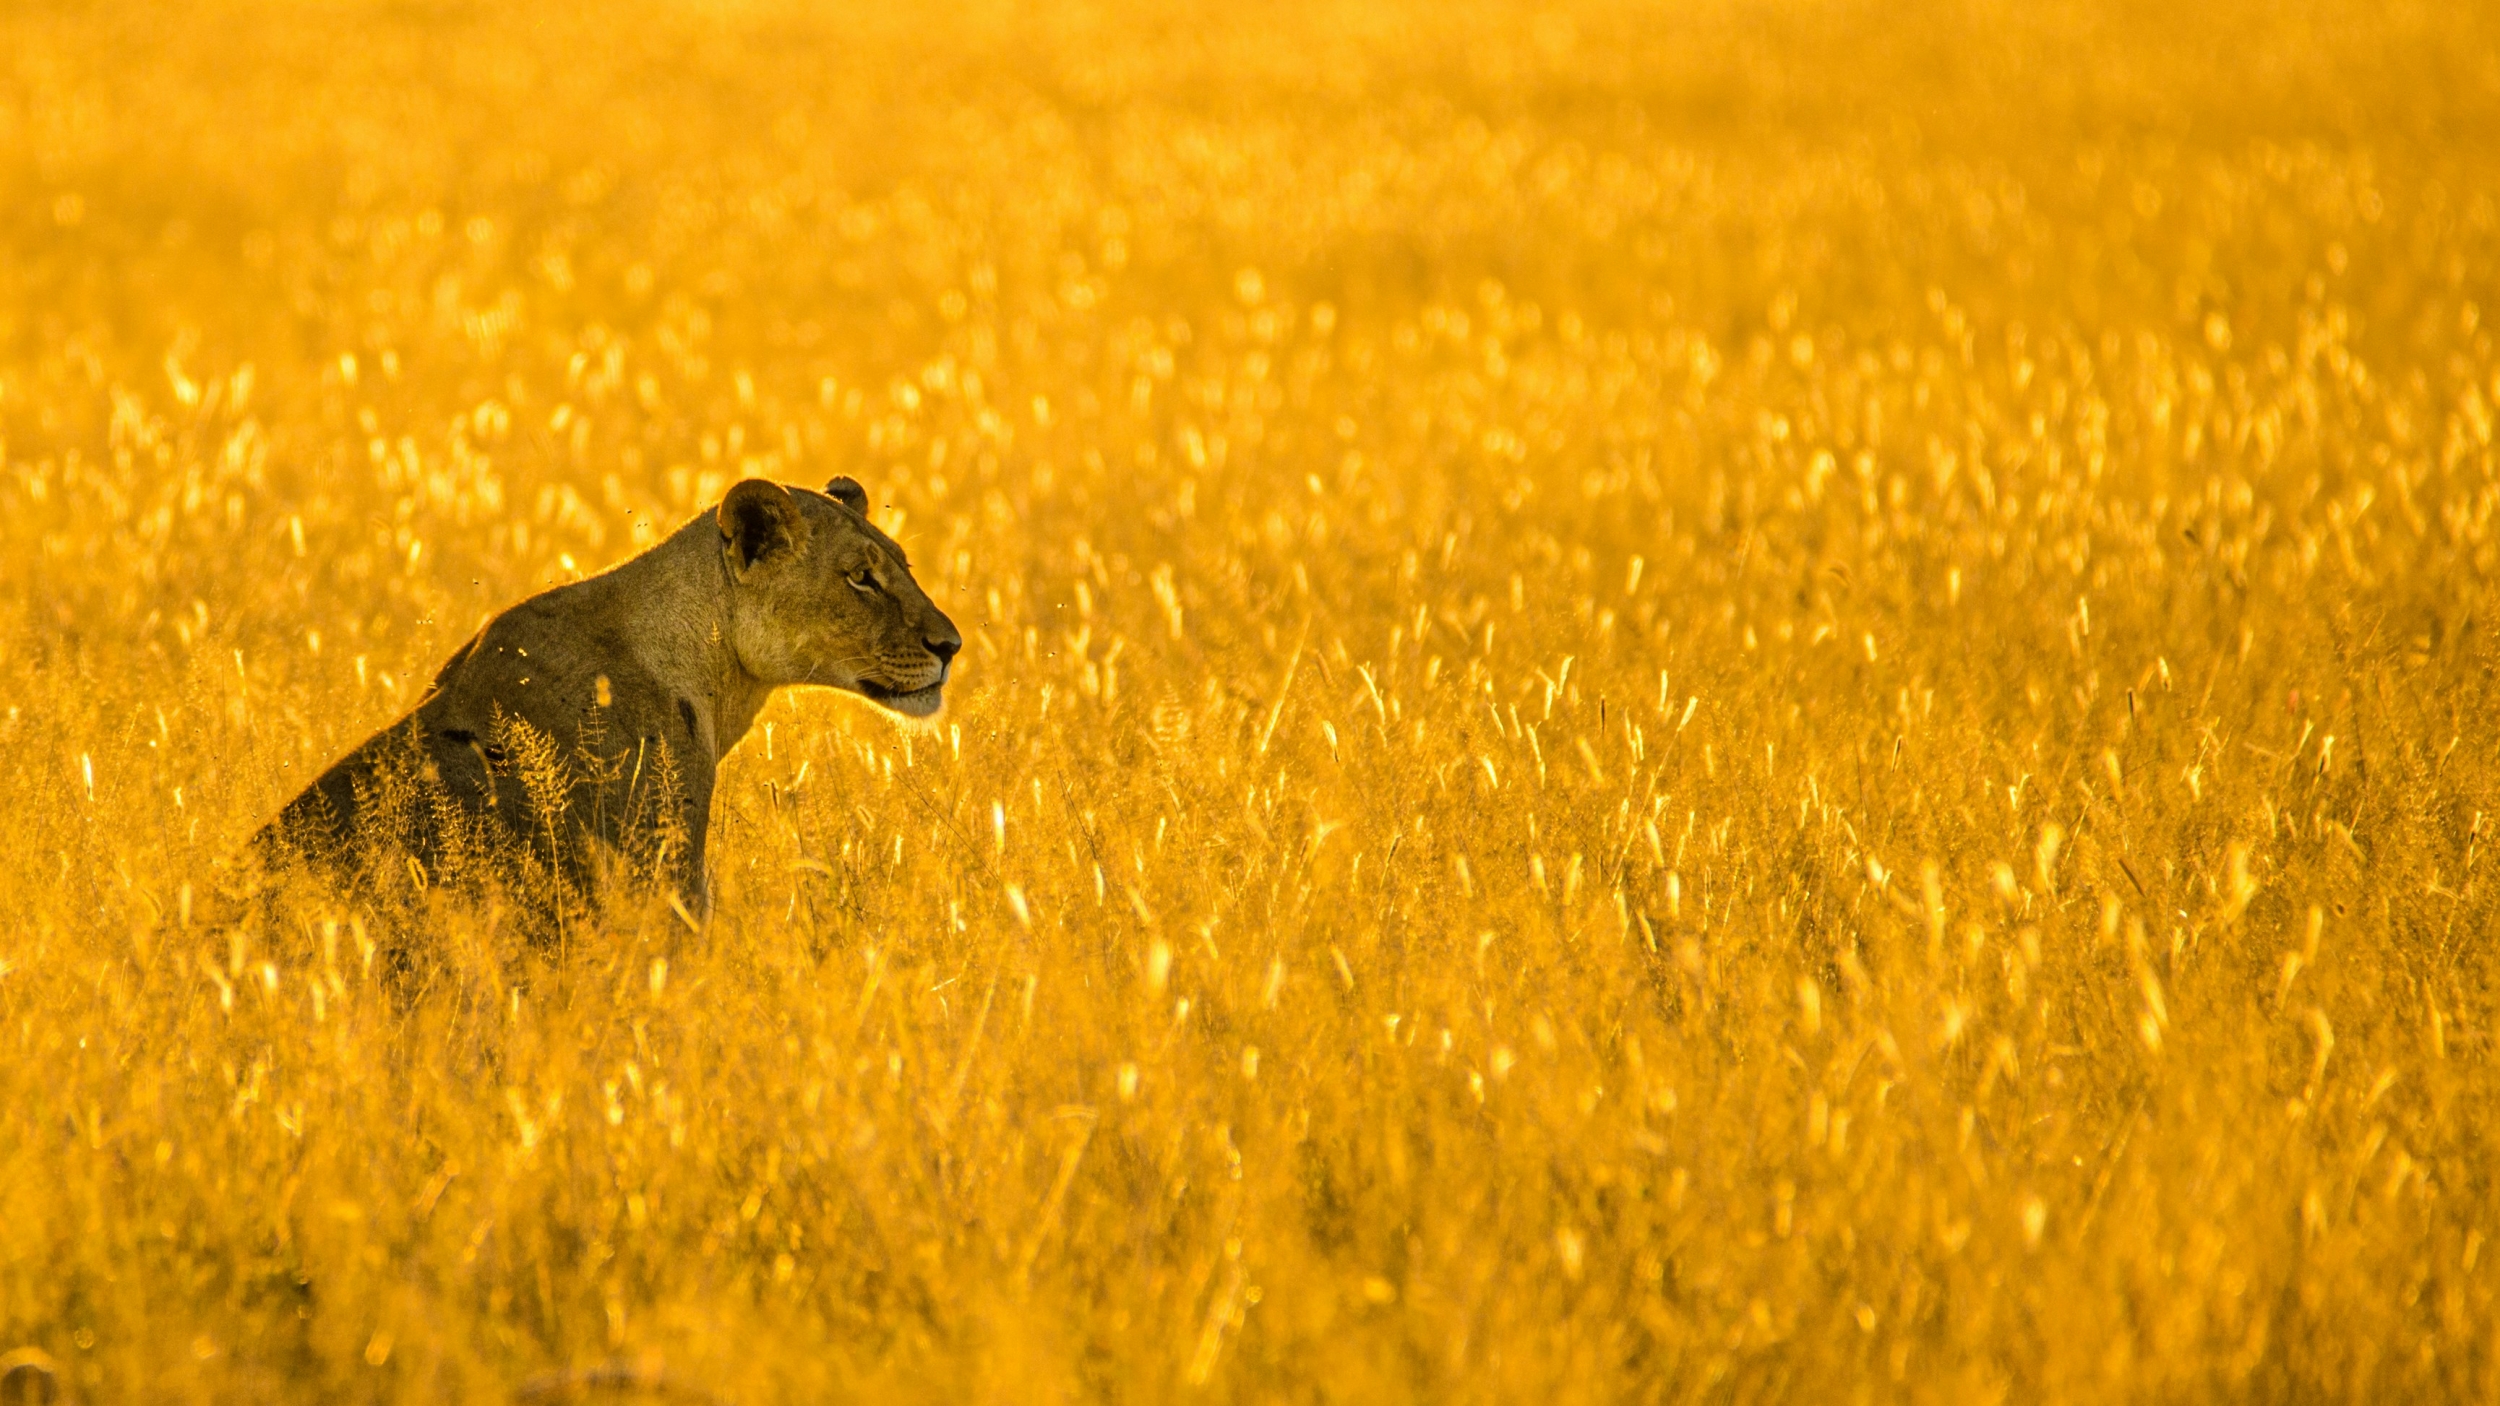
column 863, row 580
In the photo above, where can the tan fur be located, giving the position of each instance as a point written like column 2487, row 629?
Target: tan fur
column 642, row 678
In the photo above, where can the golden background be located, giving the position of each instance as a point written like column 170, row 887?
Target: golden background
column 1718, row 701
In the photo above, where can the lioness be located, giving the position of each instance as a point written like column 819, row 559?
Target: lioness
column 601, row 709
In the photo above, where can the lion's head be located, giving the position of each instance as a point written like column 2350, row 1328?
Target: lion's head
column 819, row 595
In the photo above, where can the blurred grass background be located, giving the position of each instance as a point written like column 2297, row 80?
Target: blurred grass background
column 1708, row 702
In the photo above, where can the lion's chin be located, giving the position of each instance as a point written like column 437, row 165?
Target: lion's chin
column 911, row 703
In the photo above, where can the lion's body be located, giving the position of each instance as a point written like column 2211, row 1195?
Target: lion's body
column 590, row 720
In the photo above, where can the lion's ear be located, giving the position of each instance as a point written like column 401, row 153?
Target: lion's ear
column 846, row 491
column 759, row 518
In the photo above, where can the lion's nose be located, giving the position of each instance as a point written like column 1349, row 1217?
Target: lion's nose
column 945, row 647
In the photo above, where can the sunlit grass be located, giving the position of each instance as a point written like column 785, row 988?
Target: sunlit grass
column 1751, row 704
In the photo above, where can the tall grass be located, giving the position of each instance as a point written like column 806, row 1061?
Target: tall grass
column 1750, row 703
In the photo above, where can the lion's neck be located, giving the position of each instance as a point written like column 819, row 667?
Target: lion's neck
column 675, row 603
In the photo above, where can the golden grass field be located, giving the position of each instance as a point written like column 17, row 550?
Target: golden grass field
column 1720, row 702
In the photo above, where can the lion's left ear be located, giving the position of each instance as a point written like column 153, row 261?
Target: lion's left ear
column 759, row 518
column 846, row 491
